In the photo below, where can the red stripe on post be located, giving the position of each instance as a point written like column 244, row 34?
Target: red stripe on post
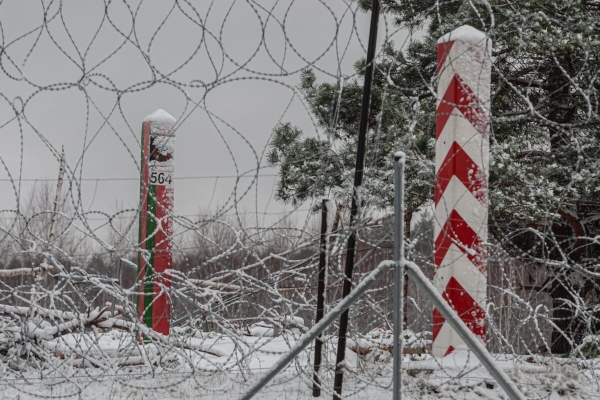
column 460, row 96
column 443, row 51
column 458, row 163
column 458, row 232
column 465, row 306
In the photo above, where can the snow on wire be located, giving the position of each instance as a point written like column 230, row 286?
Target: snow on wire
column 266, row 98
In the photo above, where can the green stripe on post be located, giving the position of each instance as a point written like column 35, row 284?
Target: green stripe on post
column 150, row 241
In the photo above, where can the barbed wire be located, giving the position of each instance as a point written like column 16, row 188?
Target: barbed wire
column 266, row 96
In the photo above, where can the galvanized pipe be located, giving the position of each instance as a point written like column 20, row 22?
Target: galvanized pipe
column 399, row 161
column 316, row 330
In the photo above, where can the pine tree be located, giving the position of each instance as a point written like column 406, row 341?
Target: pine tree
column 545, row 139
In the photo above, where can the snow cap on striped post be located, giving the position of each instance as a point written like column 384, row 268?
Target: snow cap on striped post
column 461, row 165
column 156, row 229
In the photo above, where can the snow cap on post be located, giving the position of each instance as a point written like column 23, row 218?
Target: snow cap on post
column 470, row 40
column 461, row 165
column 465, row 33
column 399, row 156
column 160, row 115
column 161, row 123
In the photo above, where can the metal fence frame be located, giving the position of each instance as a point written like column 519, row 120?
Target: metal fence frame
column 401, row 266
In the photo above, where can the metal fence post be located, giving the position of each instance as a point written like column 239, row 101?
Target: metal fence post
column 321, row 297
column 354, row 211
column 399, row 161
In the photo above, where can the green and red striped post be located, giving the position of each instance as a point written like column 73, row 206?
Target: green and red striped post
column 156, row 229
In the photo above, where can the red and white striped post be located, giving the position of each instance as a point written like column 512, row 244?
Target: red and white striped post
column 461, row 164
column 156, row 229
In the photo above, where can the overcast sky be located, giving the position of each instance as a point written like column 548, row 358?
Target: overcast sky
column 69, row 70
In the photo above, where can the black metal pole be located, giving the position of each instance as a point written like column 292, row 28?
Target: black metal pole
column 358, row 178
column 320, row 298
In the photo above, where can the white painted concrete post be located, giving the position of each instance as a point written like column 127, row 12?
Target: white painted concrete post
column 461, row 200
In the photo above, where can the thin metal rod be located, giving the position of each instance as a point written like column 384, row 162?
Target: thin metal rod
column 316, row 330
column 59, row 182
column 354, row 211
column 320, row 298
column 399, row 161
column 461, row 329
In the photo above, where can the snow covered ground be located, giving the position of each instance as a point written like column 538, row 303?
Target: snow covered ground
column 117, row 367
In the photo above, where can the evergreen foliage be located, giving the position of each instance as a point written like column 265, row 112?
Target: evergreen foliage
column 544, row 176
